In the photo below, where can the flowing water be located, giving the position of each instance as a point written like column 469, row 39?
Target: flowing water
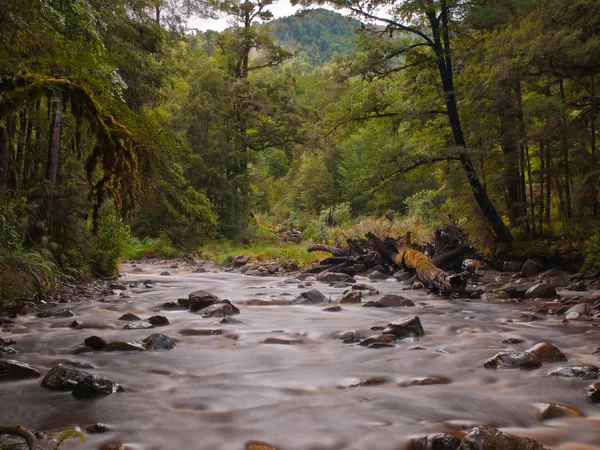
column 219, row 392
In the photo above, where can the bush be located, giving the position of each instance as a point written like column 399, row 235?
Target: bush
column 26, row 274
column 111, row 243
column 591, row 265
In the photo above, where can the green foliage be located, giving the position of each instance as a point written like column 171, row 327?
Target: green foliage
column 111, row 243
column 64, row 436
column 26, row 274
column 591, row 264
column 160, row 246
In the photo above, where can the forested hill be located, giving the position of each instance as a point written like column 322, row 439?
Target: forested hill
column 318, row 35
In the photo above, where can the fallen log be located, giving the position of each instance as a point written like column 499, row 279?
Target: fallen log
column 404, row 256
column 335, row 251
column 18, row 430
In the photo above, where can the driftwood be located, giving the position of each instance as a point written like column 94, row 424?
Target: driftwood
column 18, row 430
column 335, row 251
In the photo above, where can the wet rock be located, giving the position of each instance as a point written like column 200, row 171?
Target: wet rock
column 336, row 308
column 377, row 275
column 512, row 266
column 284, row 341
column 378, row 339
column 548, row 411
column 222, row 309
column 351, row 297
column 517, row 290
column 201, row 299
column 140, row 325
column 426, row 381
column 332, row 277
column 240, row 260
column 174, row 306
column 349, row 337
column 513, row 360
column 546, row 352
column 530, row 317
column 488, row 438
column 117, row 286
column 165, row 274
column 96, row 428
column 113, row 446
column 129, row 317
column 230, row 321
column 311, row 296
column 596, row 351
column 159, row 321
column 126, row 294
column 341, row 285
column 513, row 340
column 402, row 276
column 593, row 392
column 119, row 346
column 585, row 372
column 391, row 300
column 541, row 290
column 60, row 313
column 409, row 326
column 438, row 441
column 158, row 341
column 94, row 386
column 364, row 287
column 199, row 270
column 531, row 268
column 372, row 381
column 63, row 377
column 11, row 370
column 95, row 342
column 575, row 312
column 83, row 349
column 201, row 332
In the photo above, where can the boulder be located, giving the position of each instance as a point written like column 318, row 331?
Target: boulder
column 351, row 297
column 129, row 317
column 119, row 346
column 541, row 290
column 593, row 392
column 221, row 309
column 158, row 341
column 63, row 377
column 158, row 321
column 11, row 370
column 126, row 294
column 332, row 277
column 513, row 360
column 438, row 441
column 202, row 299
column 488, row 438
column 585, row 372
column 140, row 325
column 93, row 386
column 378, row 339
column 409, row 326
column 546, row 352
column 95, row 342
column 391, row 300
column 581, row 309
column 312, row 296
column 548, row 411
column 377, row 275
column 531, row 268
column 512, row 266
column 240, row 260
column 517, row 290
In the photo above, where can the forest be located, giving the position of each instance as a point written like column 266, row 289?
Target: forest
column 124, row 133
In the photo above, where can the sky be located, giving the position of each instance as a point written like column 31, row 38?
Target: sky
column 279, row 8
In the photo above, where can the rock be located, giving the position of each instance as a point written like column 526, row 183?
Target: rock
column 95, row 428
column 332, row 277
column 165, row 274
column 488, row 438
column 593, row 392
column 95, row 342
column 549, row 411
column 391, row 300
column 230, row 321
column 581, row 309
column 513, row 360
column 222, row 309
column 159, row 321
column 201, row 332
column 174, row 306
column 517, row 290
column 402, row 276
column 63, row 377
column 274, row 340
column 438, row 441
column 11, row 370
column 140, row 325
column 129, row 317
column 240, row 260
column 113, row 446
column 351, row 297
column 512, row 266
column 531, row 268
column 83, row 349
column 202, row 299
column 541, row 290
column 349, row 337
column 336, row 308
column 60, row 313
column 126, row 294
column 199, row 270
column 585, row 372
column 93, row 386
column 378, row 339
column 312, row 296
column 546, row 352
column 158, row 341
column 364, row 287
column 377, row 275
column 426, row 381
column 119, row 346
column 513, row 340
column 410, row 326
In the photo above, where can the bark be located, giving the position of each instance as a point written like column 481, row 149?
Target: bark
column 335, row 251
column 531, row 199
column 4, row 156
column 565, row 149
column 596, row 205
column 18, row 430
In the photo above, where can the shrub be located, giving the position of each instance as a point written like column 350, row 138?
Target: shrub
column 111, row 243
column 591, row 265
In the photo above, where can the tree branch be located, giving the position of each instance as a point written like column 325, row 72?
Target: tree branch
column 18, row 430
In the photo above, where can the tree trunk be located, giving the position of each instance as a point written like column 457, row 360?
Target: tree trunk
column 4, row 156
column 565, row 149
column 595, row 203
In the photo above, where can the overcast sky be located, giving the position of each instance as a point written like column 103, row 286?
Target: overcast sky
column 279, row 8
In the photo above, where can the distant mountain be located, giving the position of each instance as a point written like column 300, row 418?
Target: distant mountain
column 318, row 35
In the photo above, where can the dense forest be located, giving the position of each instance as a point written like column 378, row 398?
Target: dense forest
column 122, row 131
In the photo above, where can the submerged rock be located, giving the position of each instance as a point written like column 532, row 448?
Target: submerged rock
column 548, row 411
column 140, row 325
column 312, row 296
column 438, row 441
column 158, row 341
column 284, row 341
column 409, row 326
column 546, row 352
column 426, row 381
column 336, row 308
column 513, row 360
column 513, row 340
column 378, row 339
column 119, row 346
column 488, row 438
column 11, row 370
column 96, row 428
column 60, row 313
column 63, row 377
